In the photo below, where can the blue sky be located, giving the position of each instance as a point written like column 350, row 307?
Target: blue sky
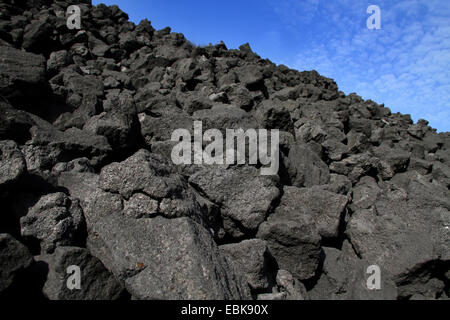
column 405, row 64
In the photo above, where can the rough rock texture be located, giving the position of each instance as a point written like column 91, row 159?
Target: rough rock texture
column 294, row 242
column 301, row 202
column 287, row 288
column 86, row 121
column 345, row 277
column 97, row 283
column 15, row 257
column 244, row 196
column 252, row 257
column 418, row 211
column 22, row 73
column 165, row 259
column 12, row 163
column 55, row 220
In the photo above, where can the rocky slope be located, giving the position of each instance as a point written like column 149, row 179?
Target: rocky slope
column 86, row 178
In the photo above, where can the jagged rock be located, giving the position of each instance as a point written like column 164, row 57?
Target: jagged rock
column 160, row 128
column 14, row 124
column 187, row 69
column 36, row 36
column 195, row 102
column 252, row 258
column 55, row 220
column 149, row 178
column 344, row 277
column 85, row 106
column 403, row 227
column 14, row 258
column 58, row 60
column 334, row 149
column 21, row 73
column 142, row 172
column 140, row 205
column 365, row 193
column 97, row 47
column 305, row 168
column 12, row 163
column 294, row 241
column 250, row 75
column 120, row 124
column 357, row 142
column 226, row 117
column 165, row 259
column 95, row 202
column 299, row 202
column 293, row 288
column 421, row 166
column 239, row 95
column 49, row 146
column 271, row 117
column 397, row 160
column 439, row 172
column 308, row 131
column 291, row 93
column 362, row 164
column 96, row 282
column 243, row 195
column 82, row 84
column 76, row 165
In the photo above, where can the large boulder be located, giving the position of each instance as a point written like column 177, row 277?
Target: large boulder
column 55, row 220
column 49, row 146
column 287, row 288
column 12, row 163
column 155, row 257
column 345, row 277
column 161, row 258
column 250, row 75
column 328, row 216
column 36, row 36
column 244, row 196
column 294, row 242
column 305, row 168
column 253, row 259
column 159, row 127
column 14, row 258
column 21, row 73
column 402, row 227
column 82, row 84
column 14, row 124
column 270, row 116
column 119, row 124
column 96, row 282
column 145, row 177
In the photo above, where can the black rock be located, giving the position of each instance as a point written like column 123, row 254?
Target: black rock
column 86, row 123
column 22, row 73
column 96, row 282
column 15, row 258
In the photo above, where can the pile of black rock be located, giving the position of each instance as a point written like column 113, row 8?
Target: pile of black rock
column 86, row 176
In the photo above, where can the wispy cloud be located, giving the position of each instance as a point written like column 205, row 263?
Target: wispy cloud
column 405, row 65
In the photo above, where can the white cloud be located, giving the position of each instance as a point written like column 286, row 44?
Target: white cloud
column 406, row 65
